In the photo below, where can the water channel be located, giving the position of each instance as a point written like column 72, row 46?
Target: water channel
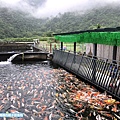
column 41, row 92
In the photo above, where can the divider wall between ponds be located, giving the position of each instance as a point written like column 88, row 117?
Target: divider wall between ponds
column 25, row 56
column 101, row 73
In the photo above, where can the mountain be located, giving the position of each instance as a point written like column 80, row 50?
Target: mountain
column 18, row 24
column 15, row 24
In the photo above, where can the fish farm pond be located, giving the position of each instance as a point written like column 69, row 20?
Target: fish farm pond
column 42, row 91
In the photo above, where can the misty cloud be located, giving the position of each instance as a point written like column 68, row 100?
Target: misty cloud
column 53, row 7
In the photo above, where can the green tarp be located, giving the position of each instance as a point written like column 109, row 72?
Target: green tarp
column 67, row 38
column 107, row 38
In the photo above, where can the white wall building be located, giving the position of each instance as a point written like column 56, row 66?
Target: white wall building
column 104, row 51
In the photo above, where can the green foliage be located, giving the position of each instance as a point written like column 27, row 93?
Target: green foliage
column 17, row 25
column 19, row 39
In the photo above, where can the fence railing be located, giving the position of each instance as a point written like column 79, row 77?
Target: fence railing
column 49, row 47
column 99, row 72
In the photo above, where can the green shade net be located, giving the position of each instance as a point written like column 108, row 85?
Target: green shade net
column 107, row 38
column 67, row 38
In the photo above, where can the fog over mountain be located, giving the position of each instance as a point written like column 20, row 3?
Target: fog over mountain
column 32, row 18
column 47, row 8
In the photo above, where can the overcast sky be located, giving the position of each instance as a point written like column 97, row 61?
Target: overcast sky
column 53, row 7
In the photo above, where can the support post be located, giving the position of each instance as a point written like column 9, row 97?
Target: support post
column 94, row 61
column 114, row 52
column 74, row 47
column 61, row 45
column 23, row 57
column 50, row 47
column 94, row 49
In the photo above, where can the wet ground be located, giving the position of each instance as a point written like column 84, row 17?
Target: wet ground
column 42, row 92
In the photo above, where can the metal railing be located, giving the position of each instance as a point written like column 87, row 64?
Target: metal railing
column 100, row 72
column 49, row 47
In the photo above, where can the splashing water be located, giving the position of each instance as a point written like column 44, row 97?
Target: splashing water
column 9, row 60
column 12, row 57
column 4, row 63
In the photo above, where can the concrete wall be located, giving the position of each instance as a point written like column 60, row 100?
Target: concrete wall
column 7, row 47
column 28, row 56
column 105, row 51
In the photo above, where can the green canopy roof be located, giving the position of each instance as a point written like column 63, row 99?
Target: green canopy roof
column 107, row 38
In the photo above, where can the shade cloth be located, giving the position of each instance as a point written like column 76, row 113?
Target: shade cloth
column 107, row 38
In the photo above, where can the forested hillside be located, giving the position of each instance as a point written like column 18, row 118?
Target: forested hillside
column 15, row 24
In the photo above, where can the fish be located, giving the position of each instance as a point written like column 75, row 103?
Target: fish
column 46, row 118
column 14, row 111
column 25, row 115
column 1, row 107
column 44, row 108
column 7, row 95
column 117, row 116
column 13, row 101
column 17, row 92
column 12, row 106
column 32, row 118
column 18, row 104
column 20, row 94
column 37, row 102
column 35, row 111
column 35, row 98
column 72, row 111
column 30, row 105
column 50, row 116
column 1, row 91
column 23, row 100
column 98, row 117
column 35, row 95
column 23, row 104
column 27, row 111
column 28, row 92
column 53, row 106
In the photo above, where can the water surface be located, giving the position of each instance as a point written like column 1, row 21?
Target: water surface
column 41, row 92
column 29, row 89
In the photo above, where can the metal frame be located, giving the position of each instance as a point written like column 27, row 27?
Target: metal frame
column 99, row 72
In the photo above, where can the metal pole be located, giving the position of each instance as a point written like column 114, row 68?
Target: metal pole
column 94, row 49
column 61, row 45
column 74, row 47
column 94, row 61
column 114, row 52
